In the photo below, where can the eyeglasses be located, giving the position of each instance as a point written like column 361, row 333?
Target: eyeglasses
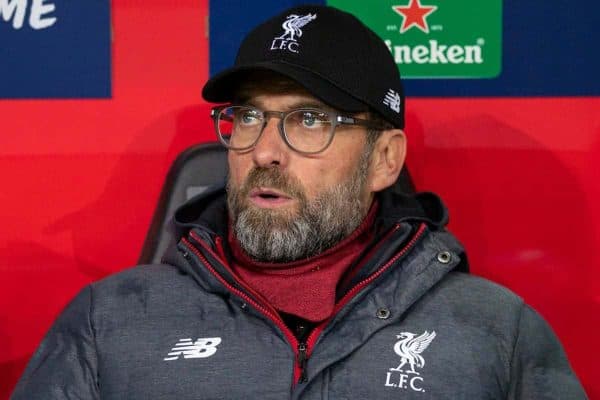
column 305, row 130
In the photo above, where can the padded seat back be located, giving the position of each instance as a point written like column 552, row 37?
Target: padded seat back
column 194, row 170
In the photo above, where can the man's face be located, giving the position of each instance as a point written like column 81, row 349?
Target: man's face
column 286, row 205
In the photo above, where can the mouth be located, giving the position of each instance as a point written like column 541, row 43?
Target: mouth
column 269, row 198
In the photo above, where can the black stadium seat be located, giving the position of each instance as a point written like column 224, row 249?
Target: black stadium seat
column 194, row 170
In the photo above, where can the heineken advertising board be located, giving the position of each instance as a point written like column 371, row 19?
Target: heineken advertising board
column 435, row 38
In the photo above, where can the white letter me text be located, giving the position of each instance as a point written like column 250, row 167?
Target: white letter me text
column 17, row 9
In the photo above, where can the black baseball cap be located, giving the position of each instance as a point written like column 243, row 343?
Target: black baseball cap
column 329, row 52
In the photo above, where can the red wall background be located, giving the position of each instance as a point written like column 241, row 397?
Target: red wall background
column 80, row 180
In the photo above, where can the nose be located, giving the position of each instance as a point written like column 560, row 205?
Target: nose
column 270, row 150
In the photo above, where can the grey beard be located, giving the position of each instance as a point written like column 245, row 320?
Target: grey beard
column 274, row 236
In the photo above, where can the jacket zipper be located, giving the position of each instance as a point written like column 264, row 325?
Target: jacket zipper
column 302, row 350
column 302, row 359
column 299, row 367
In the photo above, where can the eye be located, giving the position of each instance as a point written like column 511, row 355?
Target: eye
column 312, row 119
column 248, row 117
column 308, row 119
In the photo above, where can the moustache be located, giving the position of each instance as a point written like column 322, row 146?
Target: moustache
column 273, row 178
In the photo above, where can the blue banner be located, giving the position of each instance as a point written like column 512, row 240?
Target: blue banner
column 55, row 49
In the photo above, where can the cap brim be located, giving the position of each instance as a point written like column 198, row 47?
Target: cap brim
column 221, row 87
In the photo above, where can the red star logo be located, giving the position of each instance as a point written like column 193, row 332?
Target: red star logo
column 414, row 14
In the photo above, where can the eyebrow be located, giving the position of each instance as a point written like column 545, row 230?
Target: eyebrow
column 294, row 106
column 300, row 104
column 311, row 104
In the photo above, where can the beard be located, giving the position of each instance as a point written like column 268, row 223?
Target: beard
column 272, row 235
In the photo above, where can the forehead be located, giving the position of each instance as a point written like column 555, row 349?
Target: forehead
column 284, row 101
column 260, row 87
column 272, row 91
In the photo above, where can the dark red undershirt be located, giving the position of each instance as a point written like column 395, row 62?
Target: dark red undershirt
column 304, row 288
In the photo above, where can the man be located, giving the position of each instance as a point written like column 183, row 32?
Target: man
column 311, row 275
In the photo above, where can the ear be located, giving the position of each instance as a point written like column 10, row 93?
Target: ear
column 387, row 159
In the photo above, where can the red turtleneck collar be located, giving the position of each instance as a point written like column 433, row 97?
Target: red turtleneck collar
column 305, row 288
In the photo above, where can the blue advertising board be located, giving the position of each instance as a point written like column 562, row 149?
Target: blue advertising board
column 55, row 49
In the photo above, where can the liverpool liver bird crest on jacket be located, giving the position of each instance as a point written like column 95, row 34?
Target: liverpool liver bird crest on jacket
column 409, row 348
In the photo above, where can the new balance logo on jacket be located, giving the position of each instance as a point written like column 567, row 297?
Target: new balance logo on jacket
column 201, row 348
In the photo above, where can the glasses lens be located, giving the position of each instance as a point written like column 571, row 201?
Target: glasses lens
column 308, row 131
column 239, row 127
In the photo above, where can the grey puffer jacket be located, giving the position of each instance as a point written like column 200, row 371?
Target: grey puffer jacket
column 412, row 324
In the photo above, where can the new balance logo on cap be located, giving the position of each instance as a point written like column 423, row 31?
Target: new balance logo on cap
column 201, row 348
column 291, row 26
column 392, row 100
